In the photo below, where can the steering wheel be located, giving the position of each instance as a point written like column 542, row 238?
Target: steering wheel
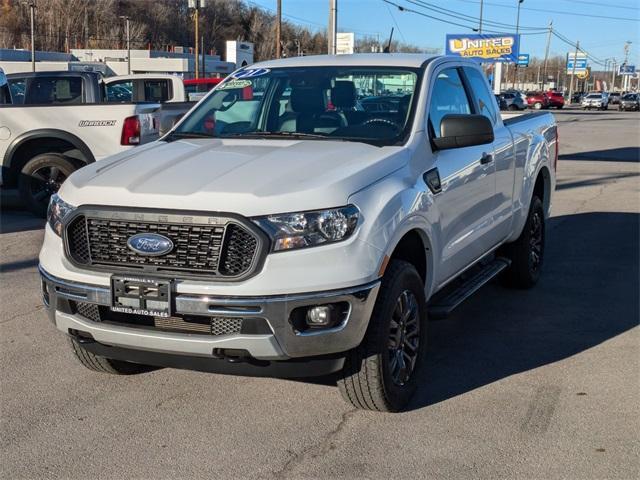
column 383, row 121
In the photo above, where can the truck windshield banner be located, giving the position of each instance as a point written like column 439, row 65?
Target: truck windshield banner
column 485, row 48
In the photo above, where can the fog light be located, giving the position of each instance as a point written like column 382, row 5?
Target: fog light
column 320, row 316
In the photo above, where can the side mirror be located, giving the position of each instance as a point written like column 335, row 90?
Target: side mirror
column 458, row 131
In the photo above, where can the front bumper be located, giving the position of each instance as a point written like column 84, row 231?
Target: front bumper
column 283, row 343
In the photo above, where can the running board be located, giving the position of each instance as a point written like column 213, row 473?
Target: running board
column 442, row 307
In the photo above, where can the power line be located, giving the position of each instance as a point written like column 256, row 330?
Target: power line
column 599, row 4
column 555, row 12
column 396, row 23
column 406, row 9
column 468, row 18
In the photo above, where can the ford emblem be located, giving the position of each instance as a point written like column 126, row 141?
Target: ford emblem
column 150, row 244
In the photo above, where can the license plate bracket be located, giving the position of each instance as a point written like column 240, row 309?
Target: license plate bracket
column 141, row 295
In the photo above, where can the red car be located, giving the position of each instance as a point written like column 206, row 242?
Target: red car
column 196, row 88
column 537, row 100
column 556, row 99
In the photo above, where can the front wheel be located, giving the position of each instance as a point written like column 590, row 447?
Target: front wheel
column 537, row 105
column 105, row 365
column 527, row 252
column 40, row 178
column 382, row 373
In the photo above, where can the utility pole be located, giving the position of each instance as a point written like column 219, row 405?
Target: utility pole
column 203, row 55
column 196, row 20
column 32, row 9
column 333, row 26
column 127, row 33
column 613, row 75
column 627, row 45
column 480, row 24
column 573, row 70
column 546, row 54
column 278, row 29
column 515, row 73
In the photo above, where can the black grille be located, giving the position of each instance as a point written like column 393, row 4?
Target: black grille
column 183, row 323
column 226, row 250
column 238, row 252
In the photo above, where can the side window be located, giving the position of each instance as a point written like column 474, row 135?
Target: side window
column 156, row 91
column 17, row 88
column 486, row 104
column 54, row 90
column 121, row 92
column 448, row 96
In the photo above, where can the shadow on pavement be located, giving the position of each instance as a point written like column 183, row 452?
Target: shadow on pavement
column 12, row 221
column 622, row 154
column 588, row 294
column 594, row 181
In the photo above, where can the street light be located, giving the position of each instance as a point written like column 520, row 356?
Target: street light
column 126, row 19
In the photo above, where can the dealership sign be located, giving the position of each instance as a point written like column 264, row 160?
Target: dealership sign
column 523, row 60
column 576, row 63
column 626, row 69
column 485, row 48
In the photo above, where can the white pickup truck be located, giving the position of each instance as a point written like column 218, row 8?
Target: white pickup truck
column 282, row 230
column 61, row 121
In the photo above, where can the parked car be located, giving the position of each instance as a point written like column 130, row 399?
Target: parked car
column 514, row 100
column 577, row 97
column 537, row 100
column 614, row 98
column 629, row 101
column 595, row 100
column 267, row 235
column 556, row 99
column 502, row 104
column 197, row 88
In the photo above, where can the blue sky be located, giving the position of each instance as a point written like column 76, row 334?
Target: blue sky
column 601, row 37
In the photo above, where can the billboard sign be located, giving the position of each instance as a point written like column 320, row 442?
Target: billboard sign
column 488, row 48
column 580, row 61
column 345, row 43
column 523, row 60
column 626, row 69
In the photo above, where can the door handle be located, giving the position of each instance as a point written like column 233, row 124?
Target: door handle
column 486, row 158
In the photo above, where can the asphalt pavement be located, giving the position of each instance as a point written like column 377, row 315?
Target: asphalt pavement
column 538, row 384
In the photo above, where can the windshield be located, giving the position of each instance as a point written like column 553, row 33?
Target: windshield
column 594, row 95
column 369, row 104
column 629, row 96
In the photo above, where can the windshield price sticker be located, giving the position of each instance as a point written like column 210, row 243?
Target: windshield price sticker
column 235, row 84
column 252, row 73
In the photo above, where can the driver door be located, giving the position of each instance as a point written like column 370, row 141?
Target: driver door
column 465, row 202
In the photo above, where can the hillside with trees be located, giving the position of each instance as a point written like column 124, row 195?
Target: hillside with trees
column 157, row 24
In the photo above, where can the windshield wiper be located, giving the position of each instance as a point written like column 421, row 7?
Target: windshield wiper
column 179, row 135
column 278, row 134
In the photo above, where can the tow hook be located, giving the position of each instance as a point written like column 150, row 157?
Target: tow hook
column 232, row 355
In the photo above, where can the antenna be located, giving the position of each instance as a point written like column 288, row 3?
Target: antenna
column 387, row 49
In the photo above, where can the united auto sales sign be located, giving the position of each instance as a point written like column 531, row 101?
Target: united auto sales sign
column 485, row 48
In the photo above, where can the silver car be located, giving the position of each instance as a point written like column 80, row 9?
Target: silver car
column 514, row 100
column 596, row 100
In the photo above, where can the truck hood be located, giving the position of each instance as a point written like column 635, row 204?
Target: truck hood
column 248, row 177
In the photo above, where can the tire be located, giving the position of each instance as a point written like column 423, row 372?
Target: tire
column 369, row 380
column 537, row 106
column 100, row 364
column 512, row 107
column 560, row 107
column 40, row 178
column 527, row 252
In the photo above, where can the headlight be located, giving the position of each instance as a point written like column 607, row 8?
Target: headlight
column 289, row 231
column 58, row 210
